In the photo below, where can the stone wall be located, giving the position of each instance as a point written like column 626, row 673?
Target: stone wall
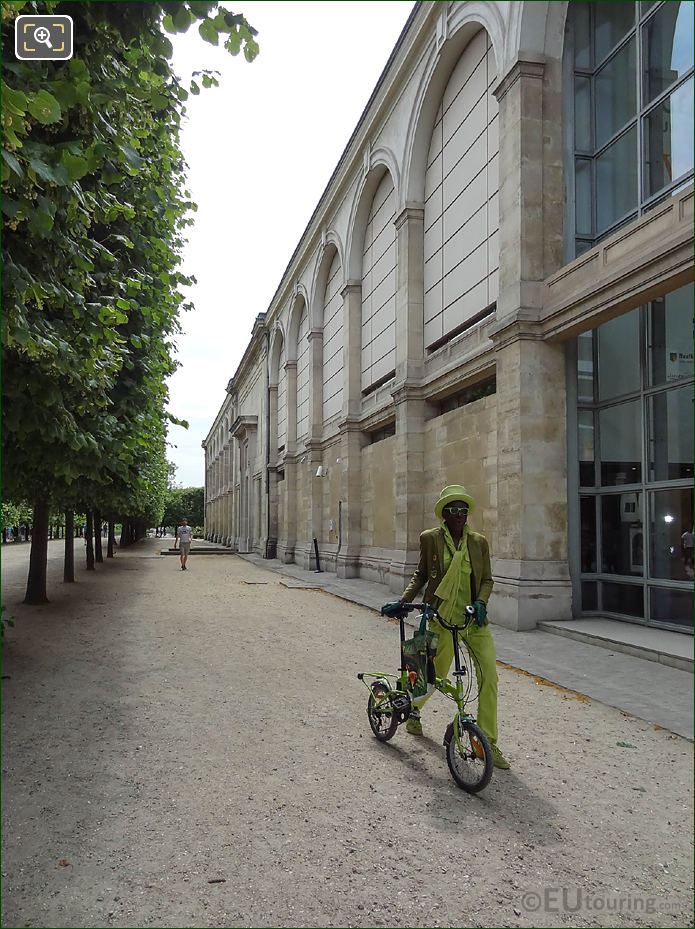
column 461, row 448
column 378, row 509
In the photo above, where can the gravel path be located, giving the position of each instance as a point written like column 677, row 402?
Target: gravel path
column 192, row 749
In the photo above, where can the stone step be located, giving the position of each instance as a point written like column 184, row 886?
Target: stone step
column 674, row 649
column 208, row 550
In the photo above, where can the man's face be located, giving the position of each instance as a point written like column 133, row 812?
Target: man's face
column 184, row 522
column 455, row 515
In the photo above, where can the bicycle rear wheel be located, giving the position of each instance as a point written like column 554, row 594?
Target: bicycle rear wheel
column 381, row 717
column 469, row 759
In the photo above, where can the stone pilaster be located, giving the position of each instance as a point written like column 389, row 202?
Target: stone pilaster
column 272, row 497
column 409, row 475
column 314, row 448
column 530, row 564
column 288, row 532
column 351, row 436
column 410, row 295
column 352, row 440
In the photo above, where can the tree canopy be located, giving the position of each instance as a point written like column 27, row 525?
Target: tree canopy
column 95, row 208
column 184, row 501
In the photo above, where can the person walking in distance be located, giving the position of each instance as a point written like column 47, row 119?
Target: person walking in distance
column 185, row 534
column 455, row 571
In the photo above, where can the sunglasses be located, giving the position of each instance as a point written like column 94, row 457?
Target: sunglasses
column 456, row 510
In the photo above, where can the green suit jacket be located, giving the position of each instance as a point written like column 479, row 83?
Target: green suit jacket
column 430, row 569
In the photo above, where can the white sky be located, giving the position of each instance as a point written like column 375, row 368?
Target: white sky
column 261, row 148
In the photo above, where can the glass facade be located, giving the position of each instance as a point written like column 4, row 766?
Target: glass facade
column 633, row 110
column 634, row 379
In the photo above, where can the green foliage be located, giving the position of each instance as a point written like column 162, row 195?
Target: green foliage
column 95, row 209
column 16, row 514
column 183, row 501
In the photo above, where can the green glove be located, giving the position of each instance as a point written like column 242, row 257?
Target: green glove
column 392, row 608
column 480, row 613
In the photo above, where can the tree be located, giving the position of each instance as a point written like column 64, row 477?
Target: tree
column 95, row 206
column 184, row 501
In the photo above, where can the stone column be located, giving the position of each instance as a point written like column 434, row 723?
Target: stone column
column 205, row 492
column 227, row 530
column 409, row 450
column 314, row 446
column 530, row 564
column 289, row 530
column 218, row 491
column 272, row 472
column 351, row 436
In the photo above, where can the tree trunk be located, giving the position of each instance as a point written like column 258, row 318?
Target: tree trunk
column 98, row 554
column 124, row 532
column 112, row 540
column 36, row 582
column 89, row 539
column 69, row 560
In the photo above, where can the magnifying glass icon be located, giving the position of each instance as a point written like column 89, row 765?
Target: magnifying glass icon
column 43, row 35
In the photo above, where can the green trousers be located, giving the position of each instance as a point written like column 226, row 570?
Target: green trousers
column 482, row 646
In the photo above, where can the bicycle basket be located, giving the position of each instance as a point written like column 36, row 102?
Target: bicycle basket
column 418, row 660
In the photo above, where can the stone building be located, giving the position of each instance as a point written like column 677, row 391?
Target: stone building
column 496, row 289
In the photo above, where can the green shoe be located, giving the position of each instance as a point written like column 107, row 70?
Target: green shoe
column 414, row 726
column 498, row 759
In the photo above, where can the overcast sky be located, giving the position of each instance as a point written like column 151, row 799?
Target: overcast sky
column 261, row 148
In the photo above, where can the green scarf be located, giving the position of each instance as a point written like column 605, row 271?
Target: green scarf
column 455, row 588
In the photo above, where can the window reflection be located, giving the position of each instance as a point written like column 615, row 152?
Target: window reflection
column 616, row 180
column 622, row 534
column 636, row 430
column 589, row 595
column 617, row 91
column 674, row 607
column 587, row 470
column 620, row 431
column 667, row 41
column 611, row 22
column 671, row 534
column 627, row 57
column 668, row 139
column 585, row 367
column 671, row 435
column 619, row 356
column 623, row 598
column 671, row 337
column 588, row 542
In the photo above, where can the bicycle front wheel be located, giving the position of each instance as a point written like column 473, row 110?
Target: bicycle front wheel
column 381, row 718
column 469, row 758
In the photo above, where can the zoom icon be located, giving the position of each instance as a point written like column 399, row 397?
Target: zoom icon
column 43, row 38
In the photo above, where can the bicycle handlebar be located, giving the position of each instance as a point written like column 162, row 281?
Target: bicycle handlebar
column 433, row 612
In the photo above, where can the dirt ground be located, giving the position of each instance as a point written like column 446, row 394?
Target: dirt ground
column 192, row 749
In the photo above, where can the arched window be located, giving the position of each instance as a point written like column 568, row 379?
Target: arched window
column 631, row 111
column 333, row 373
column 461, row 209
column 379, row 288
column 303, row 376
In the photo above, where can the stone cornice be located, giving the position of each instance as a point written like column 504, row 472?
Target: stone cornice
column 530, row 67
column 410, row 214
column 351, row 287
column 401, row 393
column 644, row 259
column 314, row 334
column 243, row 425
column 515, row 328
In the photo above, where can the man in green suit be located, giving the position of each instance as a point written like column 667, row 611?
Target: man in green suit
column 455, row 570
